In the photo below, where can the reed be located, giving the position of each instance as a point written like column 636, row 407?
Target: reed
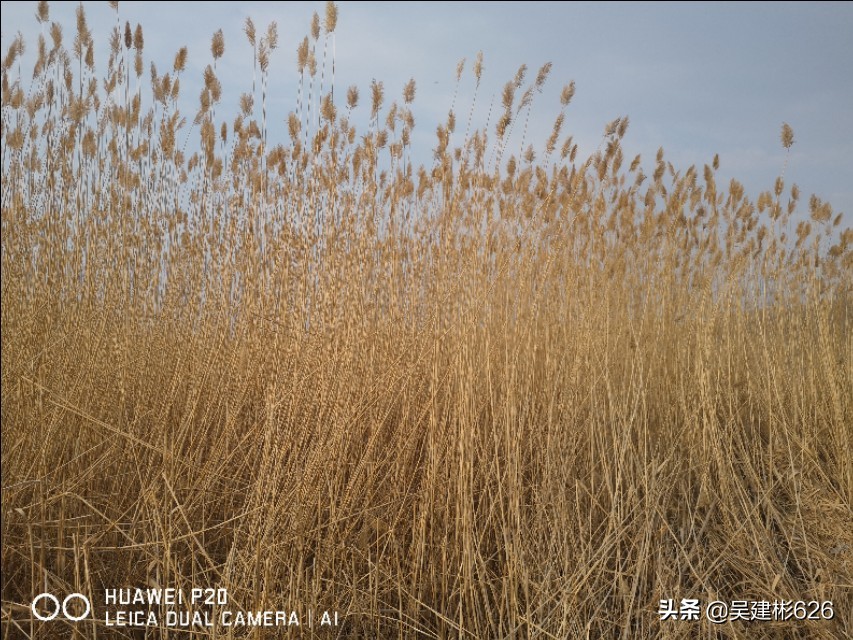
column 511, row 393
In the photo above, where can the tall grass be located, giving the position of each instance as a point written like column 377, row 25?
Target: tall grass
column 510, row 393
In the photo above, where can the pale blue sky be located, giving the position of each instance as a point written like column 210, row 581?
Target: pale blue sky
column 695, row 78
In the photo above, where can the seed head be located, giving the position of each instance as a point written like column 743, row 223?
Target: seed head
column 327, row 108
column 409, row 91
column 138, row 40
column 272, row 36
column 315, row 26
column 249, row 30
column 180, row 60
column 352, row 97
column 217, row 45
column 302, row 55
column 542, row 76
column 43, row 12
column 567, row 94
column 377, row 91
column 331, row 16
column 478, row 66
column 460, row 67
column 293, row 126
column 787, row 135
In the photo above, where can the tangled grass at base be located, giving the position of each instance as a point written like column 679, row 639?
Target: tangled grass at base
column 510, row 393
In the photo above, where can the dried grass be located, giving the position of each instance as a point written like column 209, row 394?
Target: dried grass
column 494, row 397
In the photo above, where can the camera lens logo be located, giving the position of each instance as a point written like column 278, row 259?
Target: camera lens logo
column 57, row 607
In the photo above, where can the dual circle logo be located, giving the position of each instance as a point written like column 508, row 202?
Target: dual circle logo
column 57, row 607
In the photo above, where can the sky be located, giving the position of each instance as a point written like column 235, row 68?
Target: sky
column 695, row 78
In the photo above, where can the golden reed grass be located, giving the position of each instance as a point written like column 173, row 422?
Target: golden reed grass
column 511, row 393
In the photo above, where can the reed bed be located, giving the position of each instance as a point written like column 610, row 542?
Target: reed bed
column 511, row 392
